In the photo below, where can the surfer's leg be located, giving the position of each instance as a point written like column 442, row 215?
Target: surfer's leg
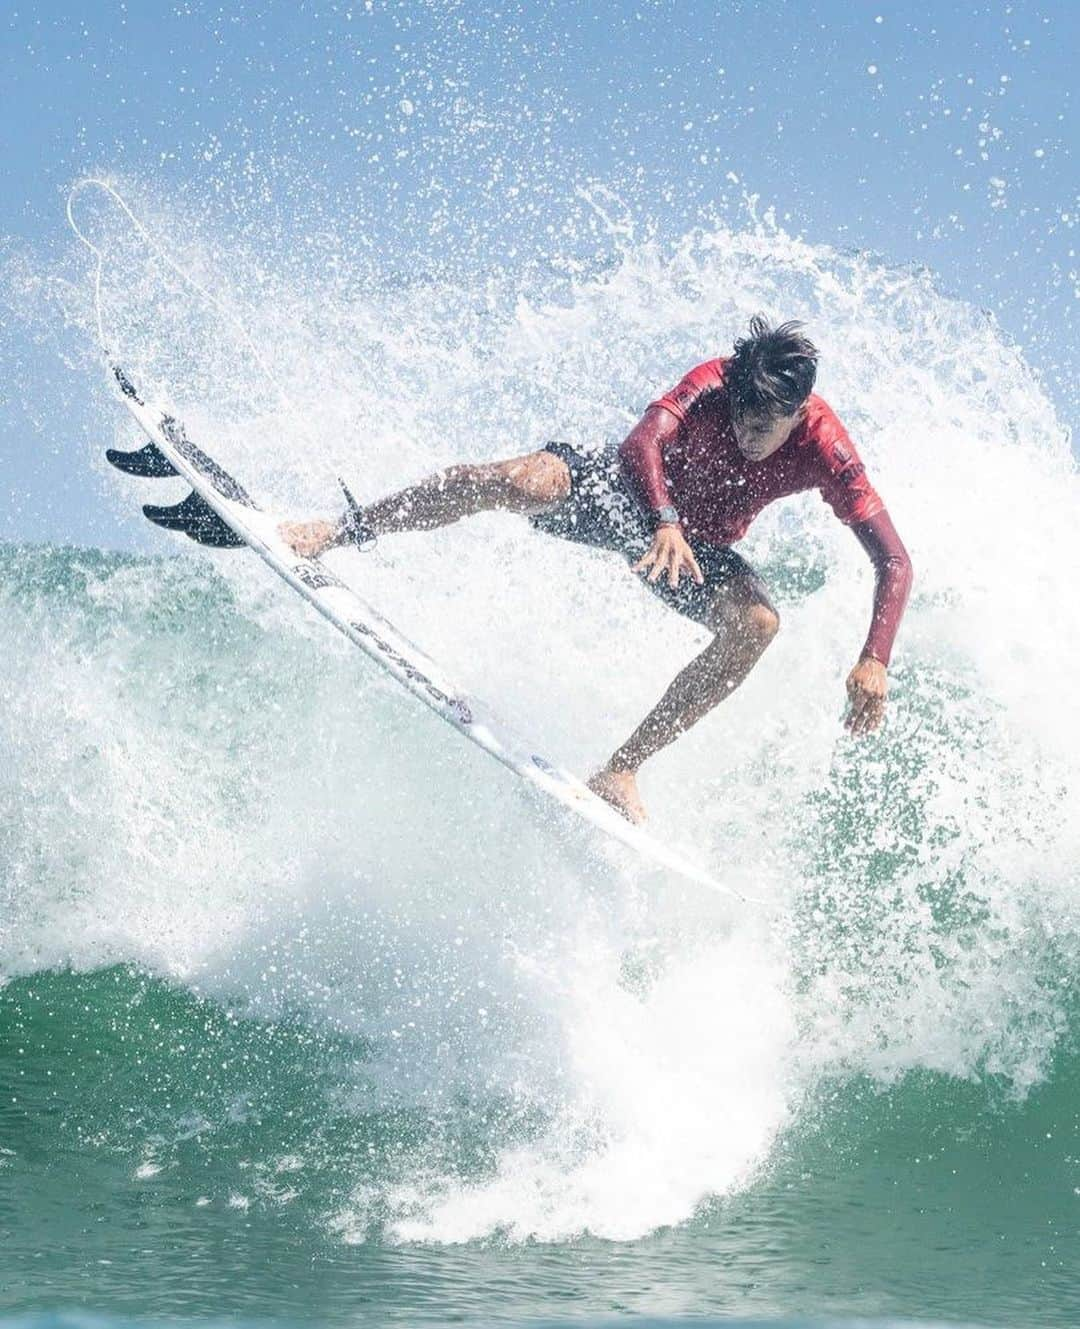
column 743, row 622
column 528, row 484
column 520, row 484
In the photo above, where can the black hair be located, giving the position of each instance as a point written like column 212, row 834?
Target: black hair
column 772, row 371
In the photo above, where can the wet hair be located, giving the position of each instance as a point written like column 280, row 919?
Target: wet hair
column 772, row 371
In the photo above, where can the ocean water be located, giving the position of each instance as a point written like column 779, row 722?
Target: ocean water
column 309, row 1013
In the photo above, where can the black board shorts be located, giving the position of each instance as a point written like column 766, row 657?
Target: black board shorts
column 601, row 512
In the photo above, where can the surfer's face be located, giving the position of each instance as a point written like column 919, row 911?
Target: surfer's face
column 759, row 436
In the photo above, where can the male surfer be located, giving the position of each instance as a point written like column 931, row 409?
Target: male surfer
column 735, row 435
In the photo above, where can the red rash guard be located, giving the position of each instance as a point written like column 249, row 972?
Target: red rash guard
column 683, row 454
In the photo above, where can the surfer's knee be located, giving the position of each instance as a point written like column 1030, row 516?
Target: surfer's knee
column 531, row 481
column 743, row 616
column 760, row 624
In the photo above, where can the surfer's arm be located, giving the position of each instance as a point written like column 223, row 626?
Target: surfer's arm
column 641, row 456
column 845, row 486
column 642, row 451
column 893, row 575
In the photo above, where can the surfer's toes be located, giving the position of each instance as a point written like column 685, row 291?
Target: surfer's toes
column 619, row 788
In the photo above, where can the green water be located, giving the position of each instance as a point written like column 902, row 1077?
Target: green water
column 186, row 1163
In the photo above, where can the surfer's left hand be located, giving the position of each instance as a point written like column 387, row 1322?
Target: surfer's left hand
column 867, row 686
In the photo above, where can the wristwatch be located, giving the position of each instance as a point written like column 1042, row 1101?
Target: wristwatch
column 666, row 517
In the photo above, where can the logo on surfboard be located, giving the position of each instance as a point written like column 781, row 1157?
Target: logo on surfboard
column 458, row 708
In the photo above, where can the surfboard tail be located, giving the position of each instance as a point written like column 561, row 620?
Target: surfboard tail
column 192, row 516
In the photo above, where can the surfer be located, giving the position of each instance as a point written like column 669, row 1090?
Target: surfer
column 705, row 459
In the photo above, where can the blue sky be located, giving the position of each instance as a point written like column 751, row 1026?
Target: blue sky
column 936, row 134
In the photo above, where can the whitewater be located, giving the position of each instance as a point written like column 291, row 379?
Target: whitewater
column 267, row 875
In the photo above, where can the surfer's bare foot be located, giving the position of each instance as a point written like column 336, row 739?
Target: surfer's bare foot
column 307, row 538
column 619, row 788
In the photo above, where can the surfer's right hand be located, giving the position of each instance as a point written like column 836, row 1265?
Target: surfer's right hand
column 670, row 553
column 307, row 538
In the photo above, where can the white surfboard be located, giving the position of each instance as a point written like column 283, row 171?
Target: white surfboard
column 221, row 512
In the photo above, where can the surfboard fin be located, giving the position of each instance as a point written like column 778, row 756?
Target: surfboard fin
column 197, row 519
column 148, row 461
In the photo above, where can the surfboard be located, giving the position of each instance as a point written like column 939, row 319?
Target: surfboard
column 220, row 512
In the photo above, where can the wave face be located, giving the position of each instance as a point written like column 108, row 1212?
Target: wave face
column 250, row 868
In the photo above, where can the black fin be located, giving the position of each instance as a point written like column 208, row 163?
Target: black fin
column 149, row 461
column 197, row 519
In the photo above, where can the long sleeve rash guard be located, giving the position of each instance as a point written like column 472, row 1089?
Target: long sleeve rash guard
column 683, row 454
